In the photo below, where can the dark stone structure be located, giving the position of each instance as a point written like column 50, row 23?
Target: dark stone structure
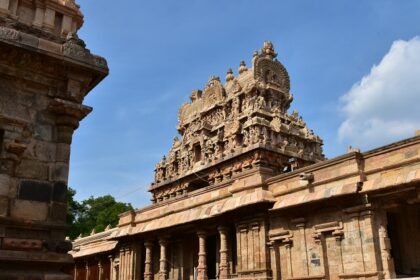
column 45, row 73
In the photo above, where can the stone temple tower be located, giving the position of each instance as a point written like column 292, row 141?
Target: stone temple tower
column 228, row 129
column 45, row 73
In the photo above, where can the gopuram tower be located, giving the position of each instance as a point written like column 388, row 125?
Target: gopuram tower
column 230, row 128
column 45, row 73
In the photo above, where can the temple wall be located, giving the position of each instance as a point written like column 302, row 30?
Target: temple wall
column 252, row 253
column 130, row 259
column 326, row 244
column 34, row 186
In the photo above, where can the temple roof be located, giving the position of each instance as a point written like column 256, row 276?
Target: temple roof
column 226, row 120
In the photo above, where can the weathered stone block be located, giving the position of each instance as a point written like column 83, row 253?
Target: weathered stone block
column 60, row 172
column 21, row 244
column 4, row 206
column 60, row 192
column 49, row 46
column 58, row 211
column 5, row 183
column 44, row 132
column 29, row 210
column 49, row 18
column 32, row 169
column 45, row 151
column 4, row 4
column 29, row 40
column 35, row 191
column 63, row 152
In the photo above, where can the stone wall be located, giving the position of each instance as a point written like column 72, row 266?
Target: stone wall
column 43, row 81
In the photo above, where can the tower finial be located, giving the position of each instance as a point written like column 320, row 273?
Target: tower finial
column 229, row 75
column 242, row 67
column 268, row 50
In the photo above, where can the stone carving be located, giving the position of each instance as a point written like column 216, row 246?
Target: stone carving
column 75, row 47
column 224, row 120
column 9, row 34
column 269, row 70
column 213, row 92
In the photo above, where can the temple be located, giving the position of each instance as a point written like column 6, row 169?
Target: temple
column 245, row 192
column 45, row 73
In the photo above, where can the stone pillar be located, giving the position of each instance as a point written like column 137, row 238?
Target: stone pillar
column 87, row 270
column 66, row 25
column 274, row 259
column 371, row 251
column 39, row 17
column 300, row 225
column 49, row 18
column 202, row 260
column 163, row 271
column 224, row 265
column 288, row 247
column 148, row 268
column 75, row 271
column 100, row 270
column 122, row 266
column 385, row 247
column 13, row 9
column 111, row 267
column 127, row 263
column 4, row 7
column 127, row 254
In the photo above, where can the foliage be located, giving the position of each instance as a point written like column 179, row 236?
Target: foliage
column 92, row 213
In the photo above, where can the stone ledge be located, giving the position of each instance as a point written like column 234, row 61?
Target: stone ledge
column 35, row 225
column 30, row 275
column 35, row 257
column 70, row 50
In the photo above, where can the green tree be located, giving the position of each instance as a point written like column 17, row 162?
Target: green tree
column 74, row 208
column 93, row 213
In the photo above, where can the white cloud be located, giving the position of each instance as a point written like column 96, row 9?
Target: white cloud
column 384, row 106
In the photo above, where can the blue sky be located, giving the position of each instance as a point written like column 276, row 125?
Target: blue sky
column 341, row 57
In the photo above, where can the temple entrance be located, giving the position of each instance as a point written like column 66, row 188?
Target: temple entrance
column 211, row 254
column 403, row 230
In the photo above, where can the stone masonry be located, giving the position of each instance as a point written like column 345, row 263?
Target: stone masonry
column 45, row 73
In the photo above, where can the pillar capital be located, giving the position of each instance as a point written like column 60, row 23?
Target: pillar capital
column 163, row 241
column 202, row 233
column 148, row 243
column 223, row 229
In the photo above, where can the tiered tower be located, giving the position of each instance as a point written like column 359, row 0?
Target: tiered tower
column 232, row 127
column 45, row 73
